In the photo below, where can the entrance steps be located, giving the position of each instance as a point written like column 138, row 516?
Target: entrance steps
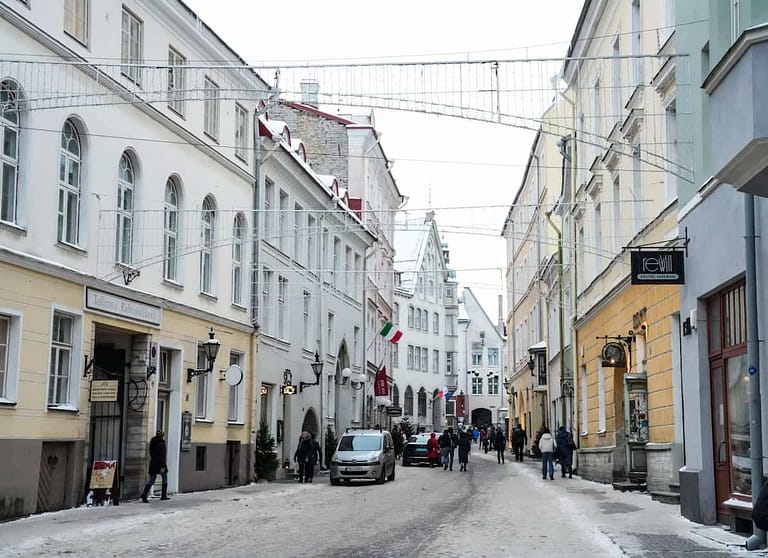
column 672, row 496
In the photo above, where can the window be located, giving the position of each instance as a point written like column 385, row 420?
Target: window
column 69, row 185
column 307, row 319
column 409, row 362
column 493, row 385
column 298, row 245
column 417, row 358
column 10, row 351
column 477, row 354
column 282, row 293
column 357, row 276
column 236, row 393
column 597, row 247
column 616, row 62
column 170, row 230
column 331, row 319
column 596, row 123
column 424, row 359
column 241, row 132
column 132, row 46
column 267, row 311
column 355, row 345
column 637, row 190
column 616, row 215
column 204, row 389
column 477, row 386
column 417, row 319
column 336, row 260
column 395, row 394
column 9, row 157
column 207, row 233
column 493, row 357
column 396, row 356
column 76, row 19
column 347, row 268
column 449, row 329
column 449, row 362
column 436, row 323
column 238, row 233
column 396, row 314
column 435, row 361
column 670, row 144
column 5, row 331
column 637, row 44
column 408, row 401
column 410, row 316
column 580, row 256
column 126, row 182
column 282, row 238
column 176, row 80
column 422, row 403
column 310, row 234
column 601, row 421
column 62, row 377
column 211, row 109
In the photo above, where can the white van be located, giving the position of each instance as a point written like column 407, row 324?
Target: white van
column 365, row 455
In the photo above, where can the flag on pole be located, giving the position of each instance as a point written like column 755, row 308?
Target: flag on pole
column 391, row 333
column 380, row 385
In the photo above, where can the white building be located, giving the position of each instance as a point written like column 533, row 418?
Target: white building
column 427, row 312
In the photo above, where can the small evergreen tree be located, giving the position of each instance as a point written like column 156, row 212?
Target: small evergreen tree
column 265, row 461
column 330, row 446
column 407, row 428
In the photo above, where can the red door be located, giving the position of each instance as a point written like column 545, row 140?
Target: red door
column 720, row 438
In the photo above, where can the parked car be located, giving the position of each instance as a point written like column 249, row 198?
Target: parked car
column 363, row 455
column 415, row 450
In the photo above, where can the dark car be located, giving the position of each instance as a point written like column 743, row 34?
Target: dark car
column 415, row 450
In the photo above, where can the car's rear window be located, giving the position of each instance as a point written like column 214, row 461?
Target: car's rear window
column 359, row 443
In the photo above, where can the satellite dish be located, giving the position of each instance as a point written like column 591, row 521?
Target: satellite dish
column 233, row 375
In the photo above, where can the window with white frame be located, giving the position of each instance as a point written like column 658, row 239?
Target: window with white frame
column 238, row 236
column 347, row 268
column 266, row 310
column 396, row 314
column 477, row 354
column 131, row 53
column 331, row 326
column 436, row 323
column 307, row 314
column 207, row 235
column 583, row 413
column 409, row 357
column 449, row 329
column 269, row 214
column 477, row 386
column 597, row 246
column 396, row 355
column 310, row 235
column 235, row 414
column 417, row 319
column 76, row 19
column 70, row 162
column 435, row 361
column 62, row 375
column 580, row 250
column 282, row 224
column 241, row 131
column 126, row 184
column 448, row 362
column 10, row 125
column 177, row 79
column 357, row 276
column 355, row 346
column 596, row 119
column 298, row 225
column 170, row 230
column 493, row 385
column 336, row 265
column 282, row 316
column 10, row 351
column 203, row 389
column 493, row 356
column 411, row 316
column 601, row 420
column 424, row 359
column 211, row 108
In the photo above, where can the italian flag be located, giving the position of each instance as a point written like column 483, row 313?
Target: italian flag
column 391, row 333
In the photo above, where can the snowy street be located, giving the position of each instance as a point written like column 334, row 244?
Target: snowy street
column 491, row 510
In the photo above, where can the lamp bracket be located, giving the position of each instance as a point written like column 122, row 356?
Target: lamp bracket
column 192, row 372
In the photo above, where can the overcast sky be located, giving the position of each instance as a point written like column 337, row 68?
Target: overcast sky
column 447, row 164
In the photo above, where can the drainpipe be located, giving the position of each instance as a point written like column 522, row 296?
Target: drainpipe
column 255, row 253
column 757, row 540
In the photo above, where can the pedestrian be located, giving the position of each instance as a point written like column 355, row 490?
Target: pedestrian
column 311, row 457
column 445, row 448
column 465, row 443
column 432, row 449
column 476, row 435
column 300, row 455
column 547, row 445
column 500, row 444
column 519, row 439
column 565, row 447
column 484, row 439
column 157, row 466
column 454, row 445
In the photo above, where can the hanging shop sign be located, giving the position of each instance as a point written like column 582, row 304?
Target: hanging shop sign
column 613, row 355
column 658, row 267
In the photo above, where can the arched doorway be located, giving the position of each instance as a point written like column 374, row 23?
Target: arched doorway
column 311, row 424
column 481, row 417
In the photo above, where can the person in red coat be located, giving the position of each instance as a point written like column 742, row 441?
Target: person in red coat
column 433, row 449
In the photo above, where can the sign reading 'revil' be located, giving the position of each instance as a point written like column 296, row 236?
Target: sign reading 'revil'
column 658, row 267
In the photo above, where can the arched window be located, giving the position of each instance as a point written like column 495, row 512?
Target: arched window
column 422, row 403
column 70, row 161
column 170, row 230
column 408, row 410
column 207, row 233
column 395, row 395
column 9, row 156
column 238, row 233
column 126, row 183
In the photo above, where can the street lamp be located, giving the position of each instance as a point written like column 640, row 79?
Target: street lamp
column 210, row 350
column 317, row 368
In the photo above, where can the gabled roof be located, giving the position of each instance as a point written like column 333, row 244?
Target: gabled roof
column 480, row 310
column 411, row 241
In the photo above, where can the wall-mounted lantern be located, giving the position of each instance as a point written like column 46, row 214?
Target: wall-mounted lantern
column 210, row 350
column 317, row 369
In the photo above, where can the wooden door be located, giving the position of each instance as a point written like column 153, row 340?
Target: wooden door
column 720, row 437
column 54, row 466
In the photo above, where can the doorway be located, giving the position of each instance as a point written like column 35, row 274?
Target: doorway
column 53, row 486
column 233, row 462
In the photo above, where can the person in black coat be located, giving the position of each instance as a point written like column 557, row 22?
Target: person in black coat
column 157, row 466
column 519, row 439
column 565, row 447
column 301, row 453
column 465, row 443
column 311, row 457
column 499, row 444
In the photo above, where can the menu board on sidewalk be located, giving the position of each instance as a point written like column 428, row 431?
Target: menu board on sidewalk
column 103, row 474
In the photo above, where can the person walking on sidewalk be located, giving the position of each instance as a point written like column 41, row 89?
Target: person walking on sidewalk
column 454, row 445
column 445, row 448
column 433, row 450
column 157, row 466
column 519, row 439
column 300, row 455
column 311, row 457
column 500, row 444
column 547, row 446
column 465, row 443
column 565, row 447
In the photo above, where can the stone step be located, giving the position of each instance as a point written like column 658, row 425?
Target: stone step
column 626, row 486
column 666, row 497
column 674, row 487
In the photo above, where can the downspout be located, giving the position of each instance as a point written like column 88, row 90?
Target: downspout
column 757, row 540
column 255, row 258
column 365, row 351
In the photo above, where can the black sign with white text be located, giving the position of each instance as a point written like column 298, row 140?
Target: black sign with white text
column 658, row 267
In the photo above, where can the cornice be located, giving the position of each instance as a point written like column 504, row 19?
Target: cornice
column 750, row 37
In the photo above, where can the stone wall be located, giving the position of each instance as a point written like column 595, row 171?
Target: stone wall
column 660, row 468
column 596, row 464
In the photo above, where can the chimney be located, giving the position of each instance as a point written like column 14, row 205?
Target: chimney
column 309, row 90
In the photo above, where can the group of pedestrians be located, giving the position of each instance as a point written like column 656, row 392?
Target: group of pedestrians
column 560, row 445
